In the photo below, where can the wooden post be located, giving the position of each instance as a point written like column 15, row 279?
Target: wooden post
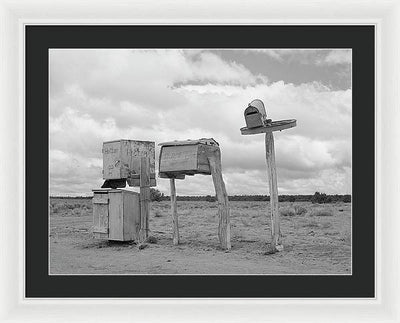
column 273, row 192
column 144, row 198
column 175, row 228
column 224, row 227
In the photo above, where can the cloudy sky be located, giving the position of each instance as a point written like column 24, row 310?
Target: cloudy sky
column 164, row 95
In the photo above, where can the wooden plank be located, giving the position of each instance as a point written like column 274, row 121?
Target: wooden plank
column 100, row 199
column 172, row 175
column 224, row 227
column 174, row 213
column 144, row 198
column 178, row 158
column 131, row 214
column 116, row 224
column 141, row 149
column 274, row 126
column 135, row 182
column 98, row 235
column 100, row 215
column 273, row 192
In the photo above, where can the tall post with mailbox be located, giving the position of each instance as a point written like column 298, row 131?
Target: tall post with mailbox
column 190, row 157
column 120, row 214
column 256, row 122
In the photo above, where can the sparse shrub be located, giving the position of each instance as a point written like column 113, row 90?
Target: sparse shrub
column 156, row 195
column 321, row 212
column 287, row 211
column 300, row 210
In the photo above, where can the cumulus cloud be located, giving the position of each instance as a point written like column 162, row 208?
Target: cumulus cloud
column 310, row 56
column 163, row 95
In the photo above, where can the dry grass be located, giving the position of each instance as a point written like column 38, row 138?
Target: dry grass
column 319, row 243
column 321, row 211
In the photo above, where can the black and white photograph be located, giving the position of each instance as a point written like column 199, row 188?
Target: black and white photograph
column 200, row 161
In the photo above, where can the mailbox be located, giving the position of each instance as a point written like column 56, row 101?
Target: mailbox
column 188, row 157
column 116, row 214
column 255, row 114
column 121, row 162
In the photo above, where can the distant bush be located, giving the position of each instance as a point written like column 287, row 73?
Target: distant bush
column 321, row 212
column 320, row 198
column 210, row 198
column 346, row 199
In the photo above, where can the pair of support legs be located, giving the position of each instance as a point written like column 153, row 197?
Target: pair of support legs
column 223, row 207
column 224, row 227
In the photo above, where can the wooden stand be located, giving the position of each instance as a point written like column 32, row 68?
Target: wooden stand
column 224, row 229
column 144, row 198
column 271, row 170
column 273, row 192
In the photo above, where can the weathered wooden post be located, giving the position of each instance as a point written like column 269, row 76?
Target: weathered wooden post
column 224, row 226
column 174, row 213
column 144, row 198
column 257, row 122
column 190, row 157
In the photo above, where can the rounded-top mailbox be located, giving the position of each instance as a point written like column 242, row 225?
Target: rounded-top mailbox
column 255, row 114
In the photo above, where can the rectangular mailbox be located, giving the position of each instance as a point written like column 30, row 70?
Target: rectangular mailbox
column 121, row 160
column 116, row 214
column 189, row 157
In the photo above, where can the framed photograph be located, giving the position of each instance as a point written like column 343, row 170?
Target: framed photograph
column 278, row 123
column 166, row 83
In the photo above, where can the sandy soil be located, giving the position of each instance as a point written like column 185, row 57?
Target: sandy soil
column 314, row 242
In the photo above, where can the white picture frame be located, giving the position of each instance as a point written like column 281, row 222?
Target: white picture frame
column 386, row 17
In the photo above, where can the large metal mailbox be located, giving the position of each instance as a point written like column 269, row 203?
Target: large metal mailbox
column 188, row 157
column 121, row 162
column 255, row 114
column 116, row 214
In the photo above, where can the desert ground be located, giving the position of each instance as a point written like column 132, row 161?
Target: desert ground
column 316, row 239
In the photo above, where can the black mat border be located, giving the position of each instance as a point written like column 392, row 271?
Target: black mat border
column 39, row 39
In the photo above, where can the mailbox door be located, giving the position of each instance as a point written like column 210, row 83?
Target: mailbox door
column 112, row 156
column 131, row 210
column 178, row 158
column 116, row 225
column 100, row 215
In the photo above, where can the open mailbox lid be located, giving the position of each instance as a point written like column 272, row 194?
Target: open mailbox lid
column 203, row 141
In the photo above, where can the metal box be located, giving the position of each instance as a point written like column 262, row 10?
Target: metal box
column 121, row 160
column 255, row 114
column 116, row 214
column 189, row 157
